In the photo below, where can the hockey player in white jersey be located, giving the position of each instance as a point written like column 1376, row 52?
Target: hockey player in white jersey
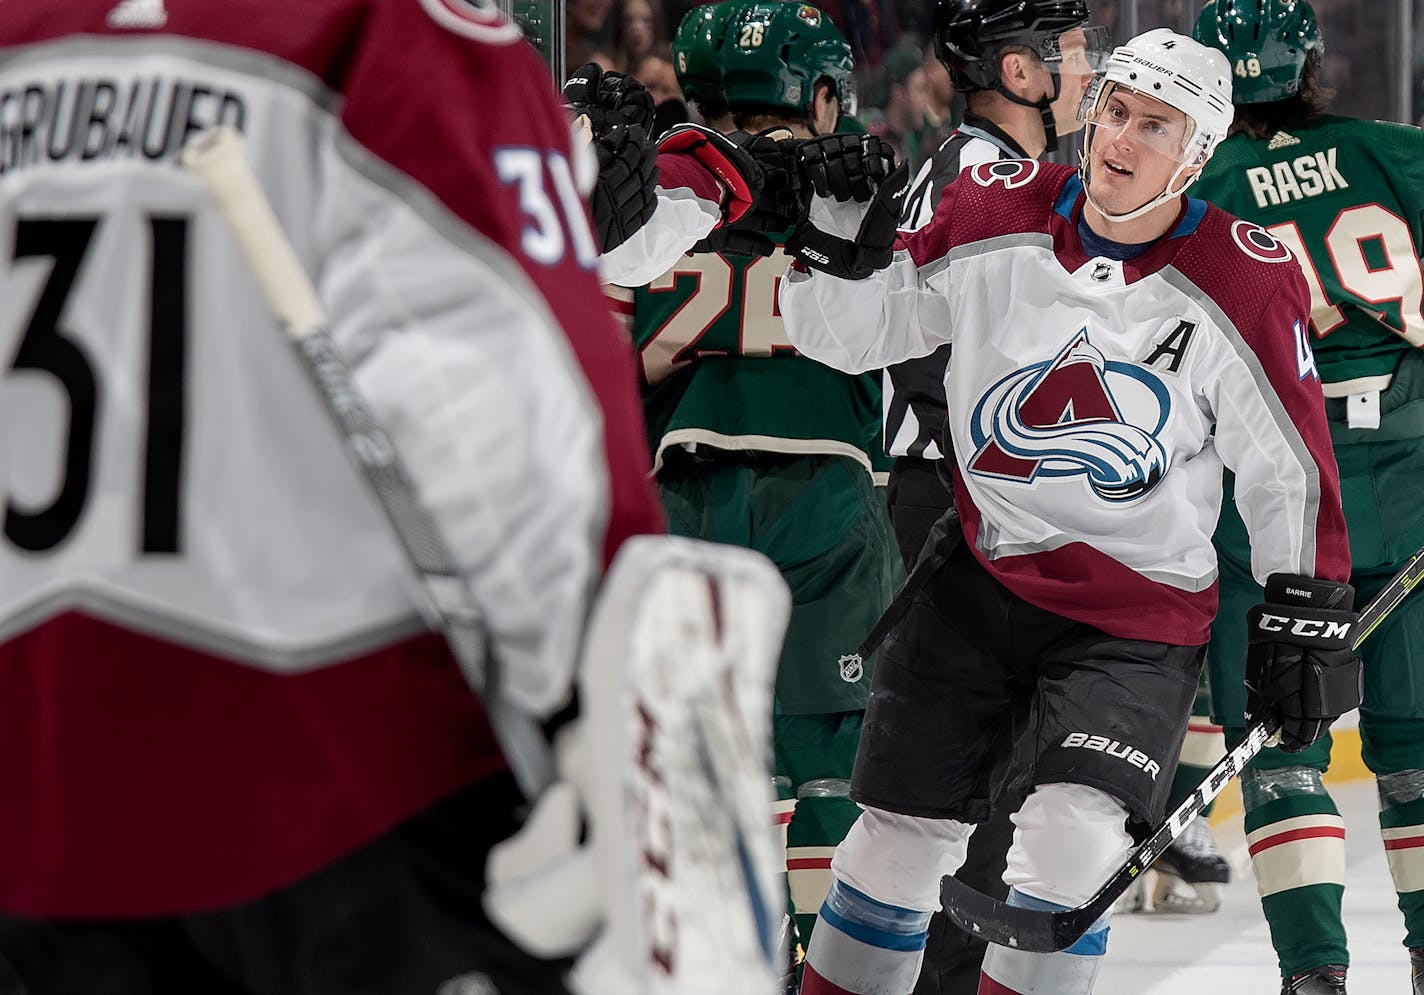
column 1115, row 344
column 1022, row 68
column 235, row 756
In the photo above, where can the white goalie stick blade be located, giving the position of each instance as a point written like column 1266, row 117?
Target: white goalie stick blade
column 675, row 763
column 1045, row 931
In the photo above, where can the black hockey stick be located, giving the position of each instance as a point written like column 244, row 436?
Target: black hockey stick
column 216, row 156
column 1044, row 931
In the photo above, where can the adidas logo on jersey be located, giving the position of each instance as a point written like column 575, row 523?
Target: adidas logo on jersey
column 1281, row 140
column 138, row 14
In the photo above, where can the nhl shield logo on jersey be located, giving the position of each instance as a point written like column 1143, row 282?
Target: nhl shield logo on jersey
column 1076, row 415
column 852, row 668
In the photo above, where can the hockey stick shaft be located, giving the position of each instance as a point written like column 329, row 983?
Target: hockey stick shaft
column 1045, row 931
column 217, row 158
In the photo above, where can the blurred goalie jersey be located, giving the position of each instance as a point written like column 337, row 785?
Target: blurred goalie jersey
column 215, row 674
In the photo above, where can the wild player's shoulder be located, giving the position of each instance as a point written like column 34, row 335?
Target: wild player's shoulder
column 1006, row 196
column 1237, row 263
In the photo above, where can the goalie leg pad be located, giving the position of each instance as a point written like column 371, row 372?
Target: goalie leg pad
column 676, row 691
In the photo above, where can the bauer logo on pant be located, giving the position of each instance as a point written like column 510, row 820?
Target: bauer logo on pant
column 1113, row 748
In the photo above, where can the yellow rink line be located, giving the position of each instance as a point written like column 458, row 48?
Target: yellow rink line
column 1346, row 764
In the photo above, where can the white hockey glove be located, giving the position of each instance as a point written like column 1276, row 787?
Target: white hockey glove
column 677, row 888
column 857, row 197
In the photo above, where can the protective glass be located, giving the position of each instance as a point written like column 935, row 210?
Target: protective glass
column 1164, row 131
column 1078, row 52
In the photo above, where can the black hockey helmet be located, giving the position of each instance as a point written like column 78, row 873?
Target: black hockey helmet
column 970, row 35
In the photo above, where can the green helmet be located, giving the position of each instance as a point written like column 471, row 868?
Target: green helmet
column 697, row 55
column 1266, row 41
column 777, row 50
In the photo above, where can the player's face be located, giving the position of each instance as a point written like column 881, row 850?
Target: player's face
column 1137, row 143
column 1075, row 72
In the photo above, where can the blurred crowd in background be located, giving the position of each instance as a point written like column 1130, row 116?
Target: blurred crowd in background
column 1374, row 55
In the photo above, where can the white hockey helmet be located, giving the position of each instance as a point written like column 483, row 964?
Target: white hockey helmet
column 1180, row 72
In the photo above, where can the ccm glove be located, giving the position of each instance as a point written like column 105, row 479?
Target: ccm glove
column 608, row 99
column 625, row 194
column 779, row 205
column 733, row 165
column 1299, row 662
column 857, row 198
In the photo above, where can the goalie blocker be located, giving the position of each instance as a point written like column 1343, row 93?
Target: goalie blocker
column 678, row 885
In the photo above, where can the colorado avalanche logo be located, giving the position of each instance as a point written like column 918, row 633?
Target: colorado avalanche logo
column 1011, row 173
column 1260, row 244
column 1077, row 414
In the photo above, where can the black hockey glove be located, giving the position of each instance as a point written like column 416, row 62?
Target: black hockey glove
column 778, row 206
column 1299, row 661
column 608, row 99
column 625, row 194
column 733, row 166
column 857, row 198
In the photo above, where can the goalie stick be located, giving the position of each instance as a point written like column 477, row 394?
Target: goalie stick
column 1042, row 931
column 216, row 157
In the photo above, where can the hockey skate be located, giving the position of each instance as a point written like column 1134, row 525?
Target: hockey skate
column 1327, row 980
column 1190, row 872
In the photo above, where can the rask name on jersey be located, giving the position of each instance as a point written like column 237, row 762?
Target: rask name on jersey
column 91, row 119
column 1302, row 177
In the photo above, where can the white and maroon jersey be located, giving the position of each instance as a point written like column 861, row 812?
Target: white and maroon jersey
column 1093, row 403
column 689, row 207
column 913, row 393
column 216, row 674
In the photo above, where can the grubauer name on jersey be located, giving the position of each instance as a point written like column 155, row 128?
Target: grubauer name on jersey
column 1093, row 403
column 219, row 678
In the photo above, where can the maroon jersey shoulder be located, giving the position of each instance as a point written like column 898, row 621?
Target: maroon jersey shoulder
column 1243, row 269
column 991, row 200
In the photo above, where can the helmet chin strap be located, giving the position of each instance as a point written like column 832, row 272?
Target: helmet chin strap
column 1044, row 105
column 1167, row 194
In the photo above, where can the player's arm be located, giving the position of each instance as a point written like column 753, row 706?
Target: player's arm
column 653, row 201
column 461, row 286
column 855, row 298
column 705, row 182
column 1272, row 432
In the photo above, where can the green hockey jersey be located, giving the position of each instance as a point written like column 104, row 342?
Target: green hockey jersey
column 1347, row 197
column 718, row 370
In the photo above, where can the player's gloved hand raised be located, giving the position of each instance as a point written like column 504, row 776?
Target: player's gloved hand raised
column 608, row 99
column 624, row 196
column 1300, row 663
column 778, row 206
column 734, row 167
column 857, row 197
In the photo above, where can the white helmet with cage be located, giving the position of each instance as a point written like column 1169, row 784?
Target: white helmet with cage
column 1180, row 72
